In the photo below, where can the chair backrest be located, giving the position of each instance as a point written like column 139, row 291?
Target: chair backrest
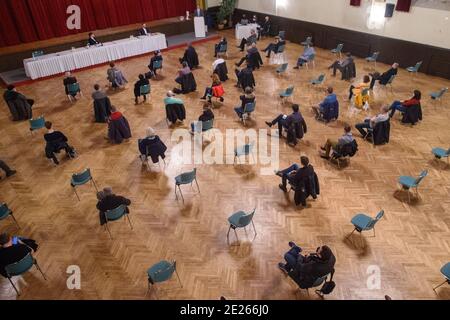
column 339, row 47
column 245, row 149
column 157, row 64
column 207, row 125
column 145, row 89
column 312, row 57
column 282, row 34
column 375, row 55
column 84, row 176
column 188, row 177
column 418, row 65
column 308, row 40
column 37, row 53
column 365, row 92
column 282, row 68
column 281, row 49
column 37, row 123
column 373, row 222
column 116, row 213
column 247, row 219
column 442, row 92
column 20, row 267
column 223, row 47
column 391, row 79
column 162, row 271
column 422, row 175
column 448, row 151
column 4, row 211
column 73, row 87
column 321, row 78
column 250, row 107
column 290, row 90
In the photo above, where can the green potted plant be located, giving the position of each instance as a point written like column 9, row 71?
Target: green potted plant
column 226, row 13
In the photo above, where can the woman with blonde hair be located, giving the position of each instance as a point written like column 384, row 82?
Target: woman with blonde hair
column 216, row 89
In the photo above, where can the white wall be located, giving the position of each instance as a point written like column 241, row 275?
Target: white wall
column 213, row 3
column 422, row 25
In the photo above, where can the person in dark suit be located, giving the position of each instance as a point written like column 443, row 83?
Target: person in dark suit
column 341, row 65
column 198, row 12
column 19, row 105
column 248, row 97
column 144, row 31
column 137, row 88
column 285, row 121
column 157, row 56
column 207, row 115
column 295, row 174
column 152, row 147
column 56, row 141
column 109, row 201
column 12, row 250
column 92, row 41
column 191, row 57
column 248, row 41
column 244, row 20
column 384, row 78
column 245, row 77
column 273, row 47
column 69, row 79
column 264, row 29
column 252, row 50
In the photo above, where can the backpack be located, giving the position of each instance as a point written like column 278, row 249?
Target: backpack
column 327, row 287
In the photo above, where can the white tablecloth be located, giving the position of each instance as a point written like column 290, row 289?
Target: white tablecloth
column 245, row 31
column 56, row 63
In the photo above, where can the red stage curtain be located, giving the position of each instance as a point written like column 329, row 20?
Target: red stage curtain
column 24, row 21
column 403, row 5
column 355, row 3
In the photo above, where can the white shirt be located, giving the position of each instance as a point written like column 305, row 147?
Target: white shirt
column 216, row 63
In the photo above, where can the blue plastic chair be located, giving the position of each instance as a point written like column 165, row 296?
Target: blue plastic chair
column 282, row 69
column 223, row 49
column 338, row 49
column 389, row 83
column 144, row 90
column 38, row 53
column 440, row 153
column 362, row 222
column 373, row 58
column 72, row 90
column 21, row 267
column 288, row 93
column 244, row 150
column 36, row 124
column 249, row 108
column 116, row 214
column 239, row 220
column 437, row 96
column 410, row 182
column 186, row 178
column 157, row 65
column 282, row 35
column 445, row 270
column 320, row 80
column 5, row 212
column 307, row 42
column 312, row 60
column 415, row 69
column 161, row 272
column 79, row 179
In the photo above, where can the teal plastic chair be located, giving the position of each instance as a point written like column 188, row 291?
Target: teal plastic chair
column 282, row 35
column 363, row 222
column 116, row 214
column 79, row 179
column 38, row 53
column 161, row 272
column 249, row 108
column 408, row 183
column 440, row 153
column 282, row 69
column 244, row 150
column 307, row 42
column 5, row 212
column 37, row 124
column 437, row 96
column 239, row 220
column 338, row 49
column 319, row 81
column 288, row 93
column 21, row 267
column 415, row 69
column 223, row 50
column 185, row 178
column 373, row 58
column 145, row 90
column 72, row 90
column 157, row 65
column 445, row 270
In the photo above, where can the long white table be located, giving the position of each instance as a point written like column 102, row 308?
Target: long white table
column 244, row 31
column 56, row 63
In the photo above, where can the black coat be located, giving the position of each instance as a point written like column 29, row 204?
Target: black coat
column 67, row 81
column 331, row 112
column 175, row 112
column 119, row 130
column 296, row 131
column 385, row 77
column 346, row 150
column 222, row 71
column 11, row 255
column 246, row 78
column 306, row 272
column 18, row 105
column 109, row 203
column 102, row 109
column 381, row 132
column 56, row 141
column 191, row 57
column 138, row 85
column 306, row 187
column 349, row 71
column 153, row 148
column 413, row 114
column 254, row 60
column 188, row 84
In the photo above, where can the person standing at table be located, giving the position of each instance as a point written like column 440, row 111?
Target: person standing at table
column 144, row 31
column 92, row 41
column 198, row 12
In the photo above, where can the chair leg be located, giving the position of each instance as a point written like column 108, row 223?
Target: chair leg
column 75, row 189
column 129, row 221
column 374, row 235
column 351, row 234
column 12, row 283
column 107, row 229
column 197, row 185
column 236, row 234
column 176, row 195
column 254, row 228
column 12, row 216
column 176, row 272
column 39, row 268
column 95, row 185
column 181, row 193
column 434, row 289
column 228, row 234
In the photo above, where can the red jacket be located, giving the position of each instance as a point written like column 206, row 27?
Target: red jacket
column 410, row 102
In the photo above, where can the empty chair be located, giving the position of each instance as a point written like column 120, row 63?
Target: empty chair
column 161, row 272
column 116, row 214
column 440, row 153
column 21, row 267
column 249, row 108
column 282, row 69
column 415, row 69
column 238, row 220
column 244, row 150
column 36, row 124
column 186, row 178
column 319, row 81
column 72, row 90
column 79, row 179
column 145, row 90
column 338, row 50
column 5, row 212
column 408, row 183
column 307, row 42
column 437, row 96
column 445, row 270
column 363, row 222
column 373, row 58
column 288, row 93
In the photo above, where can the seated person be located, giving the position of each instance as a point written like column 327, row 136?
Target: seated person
column 143, row 31
column 248, row 41
column 264, row 29
column 137, row 88
column 369, row 123
column 307, row 55
column 333, row 144
column 115, row 76
column 191, row 57
column 215, row 86
column 92, row 41
column 223, row 41
column 207, row 115
column 152, row 147
column 285, row 121
column 118, row 127
column 170, row 99
column 251, row 51
column 294, row 174
column 157, row 56
column 19, row 105
column 244, row 20
column 307, row 269
column 384, row 78
column 254, row 19
column 219, row 66
column 13, row 249
column 177, row 111
column 273, row 47
column 329, row 101
column 56, row 141
column 245, row 77
column 102, row 105
column 109, row 201
column 248, row 97
column 98, row 94
column 341, row 65
column 402, row 106
column 68, row 80
column 9, row 172
column 357, row 90
column 185, row 69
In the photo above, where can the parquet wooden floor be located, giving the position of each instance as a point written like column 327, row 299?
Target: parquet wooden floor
column 412, row 242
